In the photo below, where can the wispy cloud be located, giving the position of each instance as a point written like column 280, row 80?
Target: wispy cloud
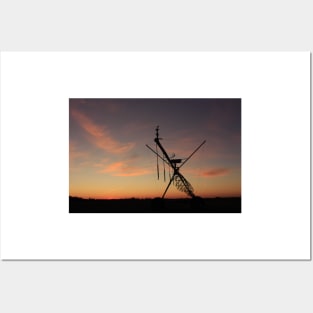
column 100, row 135
column 124, row 169
column 216, row 172
column 212, row 172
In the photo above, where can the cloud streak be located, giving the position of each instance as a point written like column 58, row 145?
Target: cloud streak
column 212, row 172
column 100, row 135
column 124, row 169
column 216, row 172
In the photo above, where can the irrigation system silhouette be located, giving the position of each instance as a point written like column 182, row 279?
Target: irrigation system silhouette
column 179, row 181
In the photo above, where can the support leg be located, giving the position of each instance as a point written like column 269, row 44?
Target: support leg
column 172, row 178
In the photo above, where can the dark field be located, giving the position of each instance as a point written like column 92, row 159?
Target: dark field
column 157, row 205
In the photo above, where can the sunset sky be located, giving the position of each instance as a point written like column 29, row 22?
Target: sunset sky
column 108, row 158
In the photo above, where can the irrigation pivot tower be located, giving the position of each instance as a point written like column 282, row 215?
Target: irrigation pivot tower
column 175, row 165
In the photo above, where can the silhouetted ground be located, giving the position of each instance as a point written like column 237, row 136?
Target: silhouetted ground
column 157, row 205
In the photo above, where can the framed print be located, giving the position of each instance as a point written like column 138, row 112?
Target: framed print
column 155, row 155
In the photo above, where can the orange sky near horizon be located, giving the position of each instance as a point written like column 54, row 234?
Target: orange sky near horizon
column 108, row 158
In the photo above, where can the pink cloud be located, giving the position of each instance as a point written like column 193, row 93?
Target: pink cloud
column 123, row 169
column 212, row 172
column 100, row 136
column 216, row 172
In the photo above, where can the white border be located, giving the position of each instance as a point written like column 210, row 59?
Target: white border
column 275, row 92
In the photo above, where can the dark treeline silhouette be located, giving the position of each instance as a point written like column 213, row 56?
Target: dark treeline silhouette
column 156, row 205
